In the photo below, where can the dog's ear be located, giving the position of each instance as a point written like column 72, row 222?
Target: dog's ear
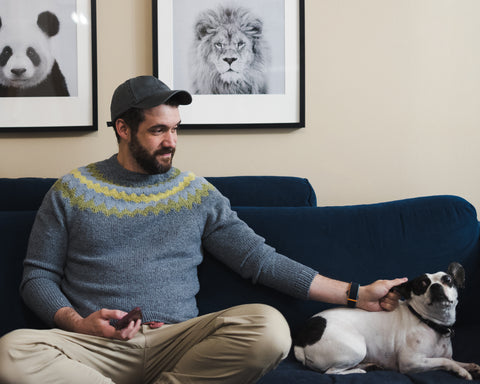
column 458, row 273
column 405, row 290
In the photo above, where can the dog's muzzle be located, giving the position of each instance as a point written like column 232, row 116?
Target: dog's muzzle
column 437, row 295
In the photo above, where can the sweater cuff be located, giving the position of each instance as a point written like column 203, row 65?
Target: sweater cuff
column 304, row 282
column 44, row 300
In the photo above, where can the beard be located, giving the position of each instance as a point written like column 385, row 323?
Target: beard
column 148, row 161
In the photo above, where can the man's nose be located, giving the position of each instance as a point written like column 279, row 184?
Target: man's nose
column 170, row 139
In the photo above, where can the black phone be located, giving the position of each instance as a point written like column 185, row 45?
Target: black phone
column 134, row 315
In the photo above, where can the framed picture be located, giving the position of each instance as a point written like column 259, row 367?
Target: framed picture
column 244, row 64
column 48, row 67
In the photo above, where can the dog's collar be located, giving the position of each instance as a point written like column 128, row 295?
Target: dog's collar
column 442, row 329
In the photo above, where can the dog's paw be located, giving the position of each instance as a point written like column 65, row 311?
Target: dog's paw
column 369, row 367
column 474, row 370
column 463, row 373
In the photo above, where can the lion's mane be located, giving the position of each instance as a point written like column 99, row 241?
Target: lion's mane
column 229, row 55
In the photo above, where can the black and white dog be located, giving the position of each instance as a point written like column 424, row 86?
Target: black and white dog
column 413, row 338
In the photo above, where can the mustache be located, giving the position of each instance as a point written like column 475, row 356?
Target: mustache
column 164, row 151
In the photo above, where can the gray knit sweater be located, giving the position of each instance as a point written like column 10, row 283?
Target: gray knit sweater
column 105, row 237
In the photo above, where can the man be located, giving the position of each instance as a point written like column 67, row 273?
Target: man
column 129, row 231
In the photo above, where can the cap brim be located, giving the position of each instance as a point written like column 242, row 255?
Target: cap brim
column 181, row 97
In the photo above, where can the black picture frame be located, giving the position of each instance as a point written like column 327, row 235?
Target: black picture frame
column 172, row 22
column 77, row 111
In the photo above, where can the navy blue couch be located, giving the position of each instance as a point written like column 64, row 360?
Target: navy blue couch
column 360, row 243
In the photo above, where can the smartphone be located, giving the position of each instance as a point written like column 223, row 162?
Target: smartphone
column 134, row 315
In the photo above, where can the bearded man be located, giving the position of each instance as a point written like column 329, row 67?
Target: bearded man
column 129, row 232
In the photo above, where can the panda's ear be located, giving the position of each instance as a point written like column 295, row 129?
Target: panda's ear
column 48, row 23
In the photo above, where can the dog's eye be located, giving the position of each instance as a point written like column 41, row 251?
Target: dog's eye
column 447, row 279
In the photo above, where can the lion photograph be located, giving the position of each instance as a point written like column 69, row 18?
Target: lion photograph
column 223, row 47
column 229, row 53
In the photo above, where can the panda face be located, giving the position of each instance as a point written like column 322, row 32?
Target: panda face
column 24, row 65
column 26, row 57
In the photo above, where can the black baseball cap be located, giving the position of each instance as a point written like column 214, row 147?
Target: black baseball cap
column 143, row 92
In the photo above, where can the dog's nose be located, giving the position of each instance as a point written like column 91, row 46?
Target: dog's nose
column 437, row 293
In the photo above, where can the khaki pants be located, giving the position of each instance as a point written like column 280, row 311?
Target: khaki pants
column 237, row 345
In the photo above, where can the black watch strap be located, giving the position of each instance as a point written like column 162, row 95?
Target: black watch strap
column 352, row 295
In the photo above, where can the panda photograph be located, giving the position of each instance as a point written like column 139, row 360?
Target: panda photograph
column 37, row 41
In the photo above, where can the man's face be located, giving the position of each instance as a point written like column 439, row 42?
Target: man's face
column 153, row 146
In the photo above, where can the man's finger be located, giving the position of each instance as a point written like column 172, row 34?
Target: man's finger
column 114, row 314
column 396, row 282
column 130, row 331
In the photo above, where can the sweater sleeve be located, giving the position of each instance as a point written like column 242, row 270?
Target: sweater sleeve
column 45, row 259
column 234, row 243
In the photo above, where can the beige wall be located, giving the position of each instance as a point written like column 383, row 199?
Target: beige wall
column 393, row 105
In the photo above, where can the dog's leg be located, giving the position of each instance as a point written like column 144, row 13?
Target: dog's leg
column 472, row 368
column 416, row 364
column 360, row 368
column 337, row 371
column 368, row 367
column 336, row 354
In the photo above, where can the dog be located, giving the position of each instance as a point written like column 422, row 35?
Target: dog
column 415, row 337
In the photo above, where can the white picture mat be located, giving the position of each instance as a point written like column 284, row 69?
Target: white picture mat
column 30, row 112
column 237, row 109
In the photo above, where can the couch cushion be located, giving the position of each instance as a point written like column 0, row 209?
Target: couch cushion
column 465, row 349
column 290, row 371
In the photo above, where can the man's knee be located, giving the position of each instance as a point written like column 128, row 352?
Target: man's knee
column 275, row 342
column 258, row 335
column 265, row 335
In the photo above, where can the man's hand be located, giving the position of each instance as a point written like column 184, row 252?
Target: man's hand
column 377, row 296
column 96, row 324
column 372, row 297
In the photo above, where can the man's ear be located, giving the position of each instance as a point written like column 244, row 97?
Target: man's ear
column 122, row 129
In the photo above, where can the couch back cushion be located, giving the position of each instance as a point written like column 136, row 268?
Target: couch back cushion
column 20, row 199
column 23, row 194
column 266, row 191
column 255, row 191
column 14, row 231
column 356, row 243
